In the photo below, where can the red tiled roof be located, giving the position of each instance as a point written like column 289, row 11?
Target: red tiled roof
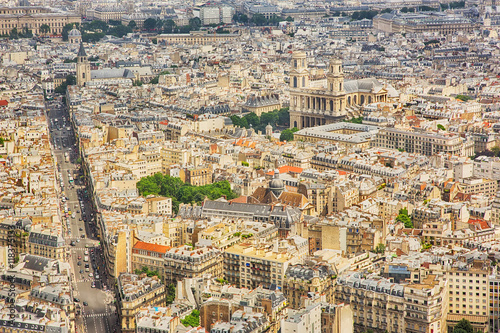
column 286, row 169
column 242, row 199
column 151, row 247
column 479, row 222
column 3, row 102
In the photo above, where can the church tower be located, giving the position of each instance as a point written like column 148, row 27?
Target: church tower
column 335, row 77
column 299, row 76
column 82, row 67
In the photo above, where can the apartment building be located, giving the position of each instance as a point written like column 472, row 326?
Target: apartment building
column 189, row 262
column 301, row 280
column 106, row 13
column 156, row 319
column 47, row 245
column 135, row 292
column 469, row 289
column 345, row 195
column 230, row 232
column 33, row 17
column 146, row 137
column 423, row 142
column 248, row 266
column 171, row 156
column 319, row 196
column 350, row 238
column 494, row 301
column 483, row 186
column 149, row 255
column 159, row 205
column 197, row 176
column 495, row 210
column 487, row 167
column 424, row 308
column 380, row 305
column 413, row 23
column 307, row 320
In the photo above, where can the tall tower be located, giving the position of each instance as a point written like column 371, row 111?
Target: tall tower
column 335, row 77
column 82, row 67
column 299, row 75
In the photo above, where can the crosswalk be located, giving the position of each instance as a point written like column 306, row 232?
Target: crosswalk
column 95, row 315
column 74, row 249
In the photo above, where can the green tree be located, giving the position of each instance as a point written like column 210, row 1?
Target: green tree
column 239, row 17
column 67, row 28
column 496, row 150
column 463, row 325
column 119, row 30
column 97, row 26
column 269, row 118
column 441, row 127
column 44, row 29
column 289, row 19
column 287, row 135
column 132, row 25
column 464, row 98
column 169, row 26
column 14, row 34
column 259, row 19
column 253, row 119
column 149, row 24
column 170, row 294
column 195, row 23
column 404, row 218
column 180, row 192
column 192, row 319
column 358, row 120
column 70, row 80
column 380, row 248
column 114, row 22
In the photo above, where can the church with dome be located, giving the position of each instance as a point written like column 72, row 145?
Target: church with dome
column 276, row 194
column 74, row 36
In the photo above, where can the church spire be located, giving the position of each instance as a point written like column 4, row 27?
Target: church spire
column 81, row 51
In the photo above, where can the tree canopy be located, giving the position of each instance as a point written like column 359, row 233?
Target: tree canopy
column 193, row 319
column 404, row 218
column 275, row 118
column 463, row 326
column 287, row 135
column 181, row 192
column 70, row 81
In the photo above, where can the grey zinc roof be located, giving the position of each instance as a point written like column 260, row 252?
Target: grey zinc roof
column 110, row 73
column 363, row 85
column 35, row 263
column 45, row 239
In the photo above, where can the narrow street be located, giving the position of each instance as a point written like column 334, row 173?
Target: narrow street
column 95, row 310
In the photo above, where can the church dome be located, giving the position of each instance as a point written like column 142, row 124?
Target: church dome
column 74, row 33
column 276, row 185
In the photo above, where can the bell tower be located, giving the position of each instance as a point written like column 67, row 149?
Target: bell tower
column 82, row 67
column 335, row 76
column 299, row 75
